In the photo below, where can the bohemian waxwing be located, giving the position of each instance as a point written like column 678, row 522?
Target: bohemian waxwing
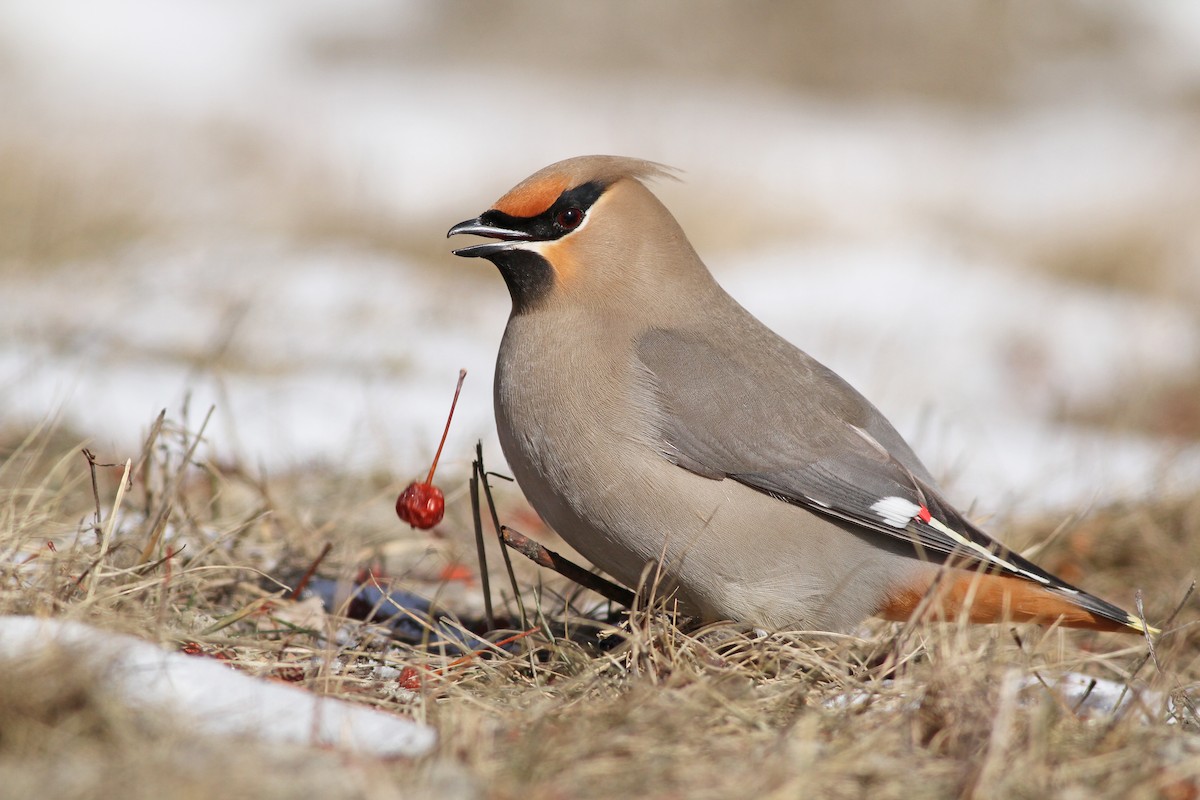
column 650, row 419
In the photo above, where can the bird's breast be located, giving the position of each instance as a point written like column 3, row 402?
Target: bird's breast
column 575, row 436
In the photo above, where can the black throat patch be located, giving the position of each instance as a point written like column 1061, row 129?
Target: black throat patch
column 528, row 275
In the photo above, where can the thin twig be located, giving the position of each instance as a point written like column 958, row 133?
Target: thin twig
column 164, row 600
column 544, row 557
column 1149, row 652
column 443, row 671
column 1137, row 598
column 1084, row 698
column 167, row 499
column 251, row 608
column 153, row 565
column 487, row 493
column 92, row 464
column 106, row 535
column 147, row 454
column 488, row 614
column 312, row 569
column 91, row 459
column 516, row 637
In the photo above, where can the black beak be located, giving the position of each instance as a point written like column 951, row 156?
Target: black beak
column 477, row 227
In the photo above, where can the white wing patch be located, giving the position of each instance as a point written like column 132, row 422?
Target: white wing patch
column 896, row 511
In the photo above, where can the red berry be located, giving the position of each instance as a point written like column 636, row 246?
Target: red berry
column 410, row 678
column 421, row 505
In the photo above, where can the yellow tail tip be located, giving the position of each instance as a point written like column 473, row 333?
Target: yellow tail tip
column 1137, row 625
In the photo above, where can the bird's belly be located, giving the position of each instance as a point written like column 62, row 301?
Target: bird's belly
column 727, row 551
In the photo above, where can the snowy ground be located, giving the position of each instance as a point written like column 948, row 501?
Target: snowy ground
column 903, row 243
column 212, row 696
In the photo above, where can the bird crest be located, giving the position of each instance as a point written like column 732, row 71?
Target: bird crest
column 540, row 190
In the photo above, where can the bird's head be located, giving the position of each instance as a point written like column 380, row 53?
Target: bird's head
column 582, row 231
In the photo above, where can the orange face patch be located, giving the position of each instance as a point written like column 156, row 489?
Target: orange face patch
column 559, row 255
column 532, row 197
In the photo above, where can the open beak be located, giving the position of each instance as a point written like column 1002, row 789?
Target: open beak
column 476, row 227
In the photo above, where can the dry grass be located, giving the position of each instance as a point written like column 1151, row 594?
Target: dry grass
column 58, row 207
column 200, row 553
column 1147, row 253
column 973, row 54
column 1161, row 408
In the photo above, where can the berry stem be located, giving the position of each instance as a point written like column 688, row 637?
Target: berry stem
column 462, row 374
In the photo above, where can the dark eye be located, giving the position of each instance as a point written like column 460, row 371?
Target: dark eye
column 569, row 218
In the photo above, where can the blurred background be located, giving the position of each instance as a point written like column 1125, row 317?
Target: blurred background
column 985, row 215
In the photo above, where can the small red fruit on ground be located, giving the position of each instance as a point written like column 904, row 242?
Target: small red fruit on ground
column 422, row 504
column 410, row 678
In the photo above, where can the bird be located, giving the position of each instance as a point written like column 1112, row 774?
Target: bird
column 667, row 434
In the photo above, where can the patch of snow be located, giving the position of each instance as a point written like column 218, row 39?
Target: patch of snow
column 1086, row 696
column 337, row 356
column 211, row 695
